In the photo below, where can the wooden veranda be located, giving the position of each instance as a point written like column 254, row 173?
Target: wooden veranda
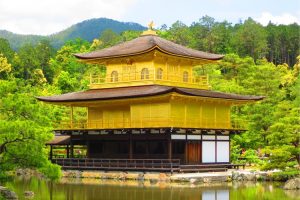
column 158, row 165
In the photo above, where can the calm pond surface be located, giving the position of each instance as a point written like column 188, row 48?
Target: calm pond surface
column 93, row 189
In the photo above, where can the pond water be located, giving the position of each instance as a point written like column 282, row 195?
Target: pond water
column 93, row 189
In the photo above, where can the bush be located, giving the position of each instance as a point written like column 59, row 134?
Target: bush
column 285, row 175
column 51, row 171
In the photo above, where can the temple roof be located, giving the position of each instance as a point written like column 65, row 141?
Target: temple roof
column 141, row 91
column 60, row 140
column 147, row 43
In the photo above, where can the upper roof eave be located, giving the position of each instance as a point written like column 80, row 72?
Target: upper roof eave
column 142, row 91
column 145, row 44
column 142, row 52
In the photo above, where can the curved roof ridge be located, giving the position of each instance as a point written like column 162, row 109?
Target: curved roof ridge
column 183, row 49
column 144, row 44
column 141, row 91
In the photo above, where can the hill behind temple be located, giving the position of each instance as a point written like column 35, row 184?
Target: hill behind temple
column 87, row 30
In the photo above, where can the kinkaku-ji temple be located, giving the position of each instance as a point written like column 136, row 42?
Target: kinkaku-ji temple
column 150, row 111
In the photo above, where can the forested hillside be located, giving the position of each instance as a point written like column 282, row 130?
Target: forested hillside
column 258, row 61
column 87, row 30
column 278, row 43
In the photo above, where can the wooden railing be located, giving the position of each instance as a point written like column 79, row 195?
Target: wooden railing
column 171, row 165
column 134, row 78
column 115, row 123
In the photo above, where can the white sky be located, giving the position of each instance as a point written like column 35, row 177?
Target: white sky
column 50, row 16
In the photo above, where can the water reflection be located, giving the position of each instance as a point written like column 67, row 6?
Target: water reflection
column 93, row 189
column 215, row 195
column 114, row 192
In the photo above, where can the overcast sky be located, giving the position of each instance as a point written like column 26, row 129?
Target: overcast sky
column 49, row 16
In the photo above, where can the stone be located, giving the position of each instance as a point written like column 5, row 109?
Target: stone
column 235, row 175
column 239, row 178
column 149, row 176
column 229, row 179
column 193, row 180
column 122, row 176
column 163, row 177
column 250, row 177
column 293, row 194
column 7, row 193
column 133, row 176
column 72, row 174
column 257, row 177
column 292, row 184
column 29, row 194
column 153, row 181
column 206, row 180
column 141, row 177
column 91, row 174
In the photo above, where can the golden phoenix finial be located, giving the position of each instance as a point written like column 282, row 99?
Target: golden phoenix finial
column 150, row 30
column 150, row 25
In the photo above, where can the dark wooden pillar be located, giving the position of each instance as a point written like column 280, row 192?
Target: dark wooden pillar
column 130, row 146
column 51, row 152
column 169, row 148
column 87, row 148
column 186, row 152
column 68, row 151
column 147, row 149
column 72, row 150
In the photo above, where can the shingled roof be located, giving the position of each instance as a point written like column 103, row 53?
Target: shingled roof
column 60, row 140
column 141, row 91
column 147, row 43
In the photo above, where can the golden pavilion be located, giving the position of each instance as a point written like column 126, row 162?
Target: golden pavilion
column 150, row 111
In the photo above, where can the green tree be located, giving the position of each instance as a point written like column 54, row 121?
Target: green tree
column 67, row 66
column 5, row 67
column 203, row 38
column 6, row 50
column 67, row 83
column 44, row 52
column 179, row 33
column 25, row 127
column 109, row 38
column 130, row 35
column 283, row 138
column 26, row 62
column 250, row 39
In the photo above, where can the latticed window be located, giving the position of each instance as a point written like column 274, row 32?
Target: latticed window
column 185, row 76
column 159, row 73
column 145, row 73
column 114, row 76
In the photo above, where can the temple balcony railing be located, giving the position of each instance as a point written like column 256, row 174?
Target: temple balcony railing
column 150, row 78
column 150, row 123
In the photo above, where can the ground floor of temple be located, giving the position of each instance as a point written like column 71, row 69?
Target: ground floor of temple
column 140, row 149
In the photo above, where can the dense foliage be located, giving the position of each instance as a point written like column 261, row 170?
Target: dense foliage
column 259, row 61
column 278, row 43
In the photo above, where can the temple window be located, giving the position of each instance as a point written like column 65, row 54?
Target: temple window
column 145, row 73
column 114, row 76
column 159, row 73
column 185, row 76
